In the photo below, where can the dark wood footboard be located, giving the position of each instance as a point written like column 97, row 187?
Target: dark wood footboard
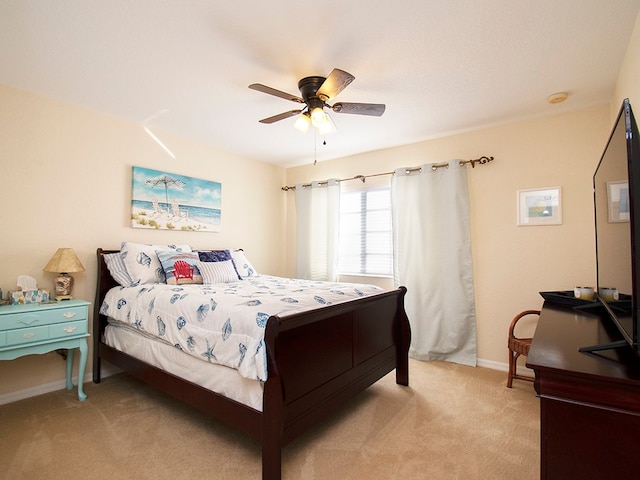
column 316, row 361
column 320, row 359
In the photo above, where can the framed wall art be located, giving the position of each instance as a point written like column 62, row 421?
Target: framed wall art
column 618, row 201
column 168, row 201
column 540, row 206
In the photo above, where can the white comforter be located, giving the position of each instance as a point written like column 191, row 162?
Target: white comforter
column 223, row 323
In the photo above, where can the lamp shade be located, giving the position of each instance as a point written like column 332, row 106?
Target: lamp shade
column 303, row 122
column 64, row 261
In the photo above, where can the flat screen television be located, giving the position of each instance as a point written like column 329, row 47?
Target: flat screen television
column 616, row 187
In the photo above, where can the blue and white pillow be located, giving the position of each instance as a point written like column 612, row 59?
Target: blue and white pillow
column 117, row 268
column 142, row 261
column 242, row 263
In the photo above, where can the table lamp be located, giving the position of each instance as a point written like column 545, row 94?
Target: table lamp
column 63, row 262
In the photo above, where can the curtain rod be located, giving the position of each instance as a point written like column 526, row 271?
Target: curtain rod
column 482, row 160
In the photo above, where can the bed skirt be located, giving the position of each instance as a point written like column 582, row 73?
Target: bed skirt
column 217, row 378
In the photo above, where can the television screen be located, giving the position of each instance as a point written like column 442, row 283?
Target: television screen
column 613, row 183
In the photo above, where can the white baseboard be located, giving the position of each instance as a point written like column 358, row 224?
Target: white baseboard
column 52, row 387
column 501, row 366
column 504, row 367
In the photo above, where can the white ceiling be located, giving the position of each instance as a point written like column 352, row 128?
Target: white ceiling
column 183, row 66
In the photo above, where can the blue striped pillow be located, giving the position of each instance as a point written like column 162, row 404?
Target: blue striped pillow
column 118, row 269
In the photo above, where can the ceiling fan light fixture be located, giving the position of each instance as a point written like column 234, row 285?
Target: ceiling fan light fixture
column 327, row 126
column 302, row 122
column 318, row 117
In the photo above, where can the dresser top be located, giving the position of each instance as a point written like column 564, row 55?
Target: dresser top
column 562, row 331
column 30, row 307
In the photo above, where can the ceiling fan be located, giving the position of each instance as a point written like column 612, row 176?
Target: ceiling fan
column 316, row 92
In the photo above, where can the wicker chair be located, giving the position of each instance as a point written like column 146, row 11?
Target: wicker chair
column 518, row 346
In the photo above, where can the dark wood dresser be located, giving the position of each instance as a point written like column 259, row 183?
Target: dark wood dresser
column 589, row 402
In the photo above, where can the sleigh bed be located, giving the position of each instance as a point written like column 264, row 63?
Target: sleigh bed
column 315, row 360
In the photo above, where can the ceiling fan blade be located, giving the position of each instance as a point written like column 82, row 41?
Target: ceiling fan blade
column 373, row 109
column 281, row 116
column 337, row 81
column 272, row 91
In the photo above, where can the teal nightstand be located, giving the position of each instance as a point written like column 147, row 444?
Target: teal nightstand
column 43, row 327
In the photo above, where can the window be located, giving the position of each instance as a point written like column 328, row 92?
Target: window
column 366, row 242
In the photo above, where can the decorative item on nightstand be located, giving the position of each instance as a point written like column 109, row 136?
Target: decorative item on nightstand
column 63, row 262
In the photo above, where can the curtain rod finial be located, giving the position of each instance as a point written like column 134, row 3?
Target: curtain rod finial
column 482, row 160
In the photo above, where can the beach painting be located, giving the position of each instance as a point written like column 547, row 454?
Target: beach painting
column 168, row 201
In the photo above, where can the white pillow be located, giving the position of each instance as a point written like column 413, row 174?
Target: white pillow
column 217, row 272
column 245, row 269
column 117, row 268
column 142, row 261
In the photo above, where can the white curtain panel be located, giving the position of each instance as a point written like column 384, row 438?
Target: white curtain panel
column 432, row 258
column 318, row 223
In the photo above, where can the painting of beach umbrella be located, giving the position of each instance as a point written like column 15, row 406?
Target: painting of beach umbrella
column 188, row 204
column 165, row 181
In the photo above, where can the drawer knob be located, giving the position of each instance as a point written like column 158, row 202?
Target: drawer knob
column 28, row 335
column 70, row 329
column 69, row 315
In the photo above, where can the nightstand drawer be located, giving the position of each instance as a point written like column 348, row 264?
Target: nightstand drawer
column 33, row 317
column 67, row 329
column 3, row 339
column 27, row 335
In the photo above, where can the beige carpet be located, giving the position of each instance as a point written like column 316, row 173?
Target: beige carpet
column 453, row 422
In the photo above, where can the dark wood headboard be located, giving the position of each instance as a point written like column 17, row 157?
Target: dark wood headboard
column 105, row 283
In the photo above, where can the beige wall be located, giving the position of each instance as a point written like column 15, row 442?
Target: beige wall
column 66, row 181
column 628, row 84
column 511, row 263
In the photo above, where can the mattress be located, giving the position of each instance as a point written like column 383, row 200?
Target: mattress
column 217, row 378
